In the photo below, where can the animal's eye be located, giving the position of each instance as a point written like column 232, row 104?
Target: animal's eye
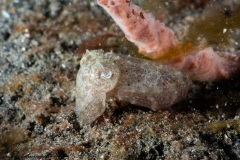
column 106, row 75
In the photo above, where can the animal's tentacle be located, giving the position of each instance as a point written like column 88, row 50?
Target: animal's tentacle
column 90, row 107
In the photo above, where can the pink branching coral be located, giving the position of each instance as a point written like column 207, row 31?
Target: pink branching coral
column 151, row 37
column 154, row 40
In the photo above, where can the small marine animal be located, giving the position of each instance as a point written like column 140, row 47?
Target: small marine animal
column 138, row 81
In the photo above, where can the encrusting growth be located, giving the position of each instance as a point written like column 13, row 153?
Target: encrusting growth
column 154, row 40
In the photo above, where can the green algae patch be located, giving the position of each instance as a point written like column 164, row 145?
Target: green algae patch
column 11, row 139
column 179, row 51
column 156, row 7
column 217, row 127
column 216, row 25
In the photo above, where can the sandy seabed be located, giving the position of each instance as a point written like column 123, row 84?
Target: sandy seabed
column 41, row 44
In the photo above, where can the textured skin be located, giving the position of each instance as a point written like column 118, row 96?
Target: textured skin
column 154, row 39
column 138, row 81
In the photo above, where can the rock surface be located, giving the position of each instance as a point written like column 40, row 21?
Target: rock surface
column 41, row 44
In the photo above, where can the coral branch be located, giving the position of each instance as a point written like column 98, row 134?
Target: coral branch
column 208, row 65
column 139, row 27
column 154, row 40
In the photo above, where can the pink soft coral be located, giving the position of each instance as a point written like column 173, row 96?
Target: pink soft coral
column 141, row 28
column 154, row 40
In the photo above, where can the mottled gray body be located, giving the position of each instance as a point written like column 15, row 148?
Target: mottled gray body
column 138, row 81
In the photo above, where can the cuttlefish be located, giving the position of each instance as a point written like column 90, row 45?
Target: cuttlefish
column 115, row 76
